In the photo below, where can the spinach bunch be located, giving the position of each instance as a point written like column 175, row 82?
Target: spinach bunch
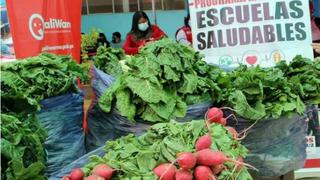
column 22, row 150
column 161, row 81
column 304, row 75
column 107, row 60
column 25, row 82
column 258, row 93
column 136, row 157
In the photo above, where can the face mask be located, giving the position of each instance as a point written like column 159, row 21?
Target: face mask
column 189, row 22
column 143, row 26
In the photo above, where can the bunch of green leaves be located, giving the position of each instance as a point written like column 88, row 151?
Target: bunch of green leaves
column 304, row 75
column 89, row 40
column 136, row 157
column 22, row 152
column 25, row 82
column 258, row 93
column 162, row 80
column 107, row 60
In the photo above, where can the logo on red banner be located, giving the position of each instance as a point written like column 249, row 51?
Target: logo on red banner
column 45, row 26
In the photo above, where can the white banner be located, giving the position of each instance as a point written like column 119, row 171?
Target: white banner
column 252, row 32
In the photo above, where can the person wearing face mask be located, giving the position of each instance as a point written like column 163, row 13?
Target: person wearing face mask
column 142, row 32
column 116, row 40
column 184, row 34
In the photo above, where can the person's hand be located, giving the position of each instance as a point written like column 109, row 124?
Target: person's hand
column 316, row 47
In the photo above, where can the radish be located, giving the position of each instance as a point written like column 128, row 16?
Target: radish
column 103, row 170
column 203, row 173
column 66, row 178
column 94, row 177
column 209, row 157
column 233, row 132
column 186, row 160
column 183, row 175
column 76, row 174
column 223, row 121
column 204, row 142
column 217, row 169
column 165, row 171
column 214, row 115
column 240, row 159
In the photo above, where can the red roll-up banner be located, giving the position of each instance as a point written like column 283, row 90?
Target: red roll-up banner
column 45, row 26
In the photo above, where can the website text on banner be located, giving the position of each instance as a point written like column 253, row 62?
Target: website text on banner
column 251, row 32
column 45, row 26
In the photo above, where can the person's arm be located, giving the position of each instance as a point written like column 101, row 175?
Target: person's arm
column 316, row 47
column 182, row 38
column 128, row 46
column 157, row 33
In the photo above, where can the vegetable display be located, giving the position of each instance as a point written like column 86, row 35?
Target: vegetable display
column 24, row 83
column 171, row 151
column 304, row 76
column 162, row 80
column 22, row 150
column 258, row 93
column 108, row 60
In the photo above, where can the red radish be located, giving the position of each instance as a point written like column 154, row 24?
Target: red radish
column 66, row 178
column 103, row 170
column 233, row 132
column 214, row 114
column 208, row 157
column 223, row 121
column 76, row 174
column 183, row 175
column 94, row 177
column 203, row 173
column 204, row 142
column 186, row 160
column 217, row 169
column 165, row 171
column 240, row 159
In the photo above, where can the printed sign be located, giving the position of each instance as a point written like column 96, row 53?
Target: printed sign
column 251, row 32
column 45, row 26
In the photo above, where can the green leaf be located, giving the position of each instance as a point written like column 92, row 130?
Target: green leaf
column 124, row 104
column 190, row 82
column 146, row 90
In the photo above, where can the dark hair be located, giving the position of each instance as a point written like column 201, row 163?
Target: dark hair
column 103, row 40
column 135, row 21
column 117, row 34
column 186, row 20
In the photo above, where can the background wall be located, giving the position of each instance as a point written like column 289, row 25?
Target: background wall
column 169, row 22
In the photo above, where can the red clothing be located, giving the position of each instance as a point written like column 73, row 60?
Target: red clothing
column 131, row 46
column 187, row 31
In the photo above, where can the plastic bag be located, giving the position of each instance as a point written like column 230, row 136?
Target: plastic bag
column 62, row 117
column 79, row 163
column 108, row 126
column 276, row 146
column 100, row 81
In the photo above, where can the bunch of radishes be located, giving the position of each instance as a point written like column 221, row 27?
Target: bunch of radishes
column 100, row 172
column 205, row 163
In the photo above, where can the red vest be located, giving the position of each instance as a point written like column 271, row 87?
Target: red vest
column 187, row 31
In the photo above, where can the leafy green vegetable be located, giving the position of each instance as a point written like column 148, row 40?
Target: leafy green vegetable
column 25, row 82
column 22, row 150
column 108, row 60
column 258, row 93
column 161, row 81
column 304, row 75
column 136, row 157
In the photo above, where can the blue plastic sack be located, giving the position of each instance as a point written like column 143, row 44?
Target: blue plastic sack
column 276, row 146
column 62, row 117
column 79, row 163
column 100, row 81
